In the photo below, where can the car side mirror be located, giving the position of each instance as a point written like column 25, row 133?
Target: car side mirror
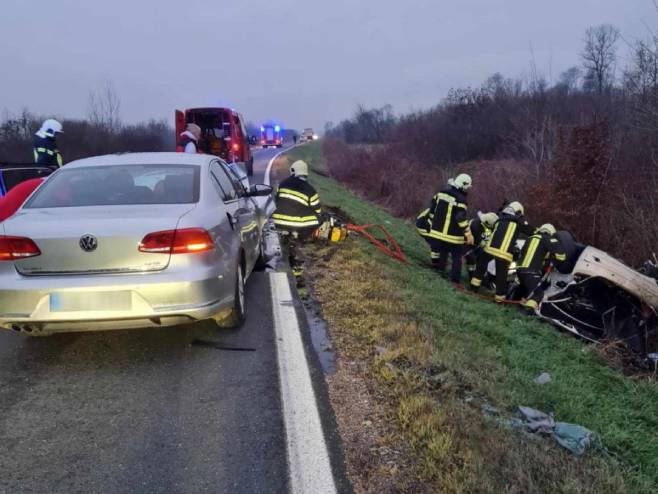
column 259, row 190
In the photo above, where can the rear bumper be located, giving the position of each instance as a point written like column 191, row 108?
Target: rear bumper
column 33, row 304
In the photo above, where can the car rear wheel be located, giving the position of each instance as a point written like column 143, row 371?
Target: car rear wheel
column 237, row 316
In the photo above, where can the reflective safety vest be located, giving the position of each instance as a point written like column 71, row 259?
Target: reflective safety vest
column 502, row 242
column 479, row 230
column 538, row 250
column 46, row 152
column 297, row 205
column 183, row 142
column 448, row 216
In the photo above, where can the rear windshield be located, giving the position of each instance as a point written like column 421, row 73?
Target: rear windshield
column 14, row 176
column 118, row 185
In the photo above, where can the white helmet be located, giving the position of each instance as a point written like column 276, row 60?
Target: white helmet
column 488, row 219
column 51, row 127
column 548, row 229
column 299, row 169
column 462, row 181
column 516, row 207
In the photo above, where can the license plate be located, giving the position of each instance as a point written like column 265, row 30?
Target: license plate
column 90, row 301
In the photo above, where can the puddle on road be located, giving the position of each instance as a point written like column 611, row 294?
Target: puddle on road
column 320, row 339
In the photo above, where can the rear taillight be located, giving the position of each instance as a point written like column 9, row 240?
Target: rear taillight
column 184, row 241
column 236, row 147
column 16, row 248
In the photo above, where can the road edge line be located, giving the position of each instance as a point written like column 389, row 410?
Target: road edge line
column 308, row 455
column 309, row 463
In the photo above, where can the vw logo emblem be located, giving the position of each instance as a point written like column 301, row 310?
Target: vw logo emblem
column 88, row 243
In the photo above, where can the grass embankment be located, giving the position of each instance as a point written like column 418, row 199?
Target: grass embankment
column 433, row 356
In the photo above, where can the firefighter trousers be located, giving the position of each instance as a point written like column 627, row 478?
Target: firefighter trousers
column 531, row 282
column 440, row 251
column 502, row 270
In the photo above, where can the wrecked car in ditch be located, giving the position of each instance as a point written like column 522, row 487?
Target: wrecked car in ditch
column 603, row 299
column 597, row 297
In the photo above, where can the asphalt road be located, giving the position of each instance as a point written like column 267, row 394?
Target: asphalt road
column 183, row 409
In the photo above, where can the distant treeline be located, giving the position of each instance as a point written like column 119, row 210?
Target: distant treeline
column 83, row 138
column 581, row 152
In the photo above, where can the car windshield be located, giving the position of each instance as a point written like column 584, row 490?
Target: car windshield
column 119, row 185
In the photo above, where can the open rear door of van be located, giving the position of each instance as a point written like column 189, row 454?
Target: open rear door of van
column 180, row 124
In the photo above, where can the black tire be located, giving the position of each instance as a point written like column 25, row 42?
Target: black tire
column 238, row 313
column 279, row 145
column 261, row 262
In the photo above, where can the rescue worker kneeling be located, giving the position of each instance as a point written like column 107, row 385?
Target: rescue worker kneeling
column 478, row 231
column 444, row 223
column 500, row 247
column 297, row 213
column 540, row 250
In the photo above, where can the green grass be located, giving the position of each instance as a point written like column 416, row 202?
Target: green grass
column 498, row 352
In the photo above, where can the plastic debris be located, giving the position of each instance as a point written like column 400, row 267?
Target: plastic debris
column 543, row 378
column 573, row 437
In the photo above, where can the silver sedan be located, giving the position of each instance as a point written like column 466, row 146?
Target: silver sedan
column 128, row 241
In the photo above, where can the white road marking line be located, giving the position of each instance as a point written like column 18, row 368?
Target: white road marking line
column 269, row 165
column 308, row 455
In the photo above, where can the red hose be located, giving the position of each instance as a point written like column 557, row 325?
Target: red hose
column 390, row 247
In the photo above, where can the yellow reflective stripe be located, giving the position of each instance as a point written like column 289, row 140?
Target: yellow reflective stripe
column 476, row 282
column 435, row 255
column 530, row 254
column 318, row 211
column 463, row 224
column 531, row 304
column 561, row 257
column 425, row 212
column 441, row 196
column 45, row 150
column 294, row 218
column 295, row 223
column 499, row 298
column 285, row 195
column 446, row 223
column 500, row 254
column 509, row 235
column 451, row 239
column 315, row 197
column 294, row 193
column 315, row 203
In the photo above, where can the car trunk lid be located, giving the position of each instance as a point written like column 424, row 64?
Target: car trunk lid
column 93, row 240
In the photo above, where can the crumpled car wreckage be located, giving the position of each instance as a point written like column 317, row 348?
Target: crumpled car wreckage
column 597, row 297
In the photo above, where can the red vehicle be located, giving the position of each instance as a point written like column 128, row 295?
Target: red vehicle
column 271, row 135
column 223, row 134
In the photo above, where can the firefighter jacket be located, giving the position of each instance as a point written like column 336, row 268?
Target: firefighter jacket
column 297, row 205
column 538, row 250
column 423, row 225
column 45, row 150
column 448, row 216
column 502, row 242
column 479, row 231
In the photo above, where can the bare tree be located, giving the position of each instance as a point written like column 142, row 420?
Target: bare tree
column 599, row 56
column 103, row 108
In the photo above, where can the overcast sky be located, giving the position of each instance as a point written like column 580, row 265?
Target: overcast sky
column 303, row 63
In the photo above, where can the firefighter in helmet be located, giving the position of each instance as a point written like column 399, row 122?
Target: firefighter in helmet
column 501, row 247
column 444, row 223
column 45, row 144
column 539, row 251
column 297, row 213
column 478, row 231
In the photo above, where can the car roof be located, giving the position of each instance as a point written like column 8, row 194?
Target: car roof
column 143, row 159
